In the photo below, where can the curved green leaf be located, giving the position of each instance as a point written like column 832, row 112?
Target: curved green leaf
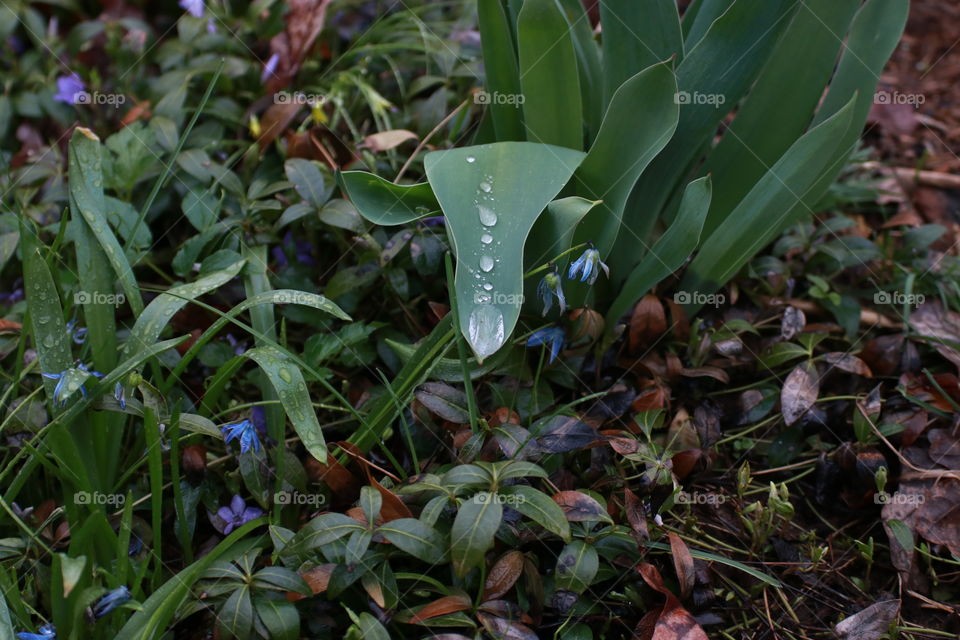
column 637, row 35
column 287, row 379
column 385, row 203
column 491, row 196
column 157, row 315
column 669, row 253
column 417, row 538
column 577, row 566
column 539, row 507
column 500, row 67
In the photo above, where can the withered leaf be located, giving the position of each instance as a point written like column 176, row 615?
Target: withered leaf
column 799, row 393
column 442, row 607
column 566, row 433
column 793, row 322
column 647, row 322
column 871, row 623
column 682, row 564
column 848, row 363
column 444, row 401
column 503, row 629
column 503, row 575
column 316, row 578
column 386, row 140
column 304, row 22
column 579, row 507
column 942, row 326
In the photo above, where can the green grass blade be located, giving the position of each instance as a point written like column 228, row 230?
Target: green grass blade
column 669, row 253
column 86, row 202
column 588, row 64
column 552, row 110
column 500, row 67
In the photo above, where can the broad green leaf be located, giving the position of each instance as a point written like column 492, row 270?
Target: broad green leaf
column 280, row 579
column 6, row 626
column 500, row 67
column 699, row 17
column 157, row 315
column 789, row 86
column 763, row 213
column 321, row 531
column 465, row 474
column 637, row 35
column 708, row 88
column 577, row 566
column 235, row 617
column 624, row 146
column 370, row 501
column 287, row 380
column 518, row 469
column 307, row 180
column 87, row 203
column 473, row 530
column 416, row 538
column 370, row 628
column 280, row 617
column 491, row 196
column 669, row 253
column 385, row 203
column 552, row 111
column 539, row 508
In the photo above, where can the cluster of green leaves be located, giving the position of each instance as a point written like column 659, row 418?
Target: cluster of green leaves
column 563, row 121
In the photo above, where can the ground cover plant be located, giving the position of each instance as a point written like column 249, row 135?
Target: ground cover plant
column 494, row 319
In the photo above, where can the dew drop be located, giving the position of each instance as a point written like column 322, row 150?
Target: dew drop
column 471, row 159
column 486, row 238
column 285, row 375
column 487, row 216
column 485, row 187
column 487, row 286
column 485, row 330
column 486, row 263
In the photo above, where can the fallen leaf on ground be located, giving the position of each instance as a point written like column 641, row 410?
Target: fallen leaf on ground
column 799, row 393
column 871, row 623
column 386, row 140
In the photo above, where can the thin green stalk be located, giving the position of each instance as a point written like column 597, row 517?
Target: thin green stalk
column 462, row 349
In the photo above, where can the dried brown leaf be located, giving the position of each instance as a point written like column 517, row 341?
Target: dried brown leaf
column 799, row 393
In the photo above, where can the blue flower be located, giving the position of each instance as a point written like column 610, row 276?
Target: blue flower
column 45, row 632
column 211, row 27
column 193, row 7
column 111, row 601
column 237, row 514
column 77, row 334
column 551, row 286
column 270, row 68
column 69, row 381
column 245, row 431
column 120, row 395
column 69, row 89
column 586, row 267
column 552, row 337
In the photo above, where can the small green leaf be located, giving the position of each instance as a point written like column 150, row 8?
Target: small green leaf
column 280, row 617
column 577, row 566
column 307, row 180
column 235, row 618
column 417, row 538
column 538, row 506
column 385, row 203
column 473, row 530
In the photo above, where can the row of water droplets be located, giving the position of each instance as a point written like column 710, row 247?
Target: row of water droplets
column 486, row 327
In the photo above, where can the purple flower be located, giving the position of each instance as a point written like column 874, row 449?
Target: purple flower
column 245, row 432
column 111, row 601
column 433, row 221
column 211, row 27
column 552, row 337
column 301, row 250
column 193, row 7
column 237, row 514
column 69, row 89
column 239, row 348
column 69, row 381
column 270, row 67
